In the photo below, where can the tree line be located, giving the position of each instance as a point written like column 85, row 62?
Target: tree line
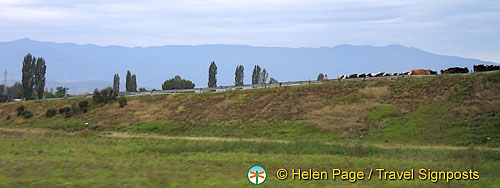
column 32, row 84
column 34, row 69
column 259, row 76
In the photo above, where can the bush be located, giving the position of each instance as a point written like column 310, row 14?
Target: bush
column 177, row 83
column 27, row 114
column 83, row 105
column 4, row 98
column 273, row 81
column 50, row 113
column 104, row 95
column 74, row 108
column 64, row 110
column 20, row 110
column 48, row 95
column 123, row 101
column 68, row 114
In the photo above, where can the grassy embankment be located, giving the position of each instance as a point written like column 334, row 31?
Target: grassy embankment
column 349, row 125
column 448, row 110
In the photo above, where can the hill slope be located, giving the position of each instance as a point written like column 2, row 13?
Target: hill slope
column 445, row 109
column 154, row 65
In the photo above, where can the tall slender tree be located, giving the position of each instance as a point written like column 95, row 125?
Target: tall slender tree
column 263, row 77
column 116, row 83
column 238, row 75
column 256, row 74
column 39, row 76
column 128, row 82
column 133, row 83
column 212, row 75
column 28, row 78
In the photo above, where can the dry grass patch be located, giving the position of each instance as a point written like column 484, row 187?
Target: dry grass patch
column 348, row 118
column 375, row 92
column 135, row 112
column 305, row 105
column 225, row 105
column 466, row 110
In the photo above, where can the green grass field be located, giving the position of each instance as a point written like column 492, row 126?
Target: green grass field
column 55, row 159
column 443, row 123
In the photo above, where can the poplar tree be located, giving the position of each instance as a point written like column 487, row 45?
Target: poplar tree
column 238, row 75
column 263, row 77
column 128, row 82
column 28, row 78
column 116, row 83
column 256, row 75
column 133, row 83
column 39, row 77
column 212, row 73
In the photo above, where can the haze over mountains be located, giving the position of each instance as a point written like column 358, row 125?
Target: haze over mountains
column 94, row 66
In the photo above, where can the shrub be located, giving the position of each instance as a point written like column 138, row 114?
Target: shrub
column 50, row 113
column 27, row 114
column 177, row 83
column 64, row 110
column 74, row 108
column 103, row 96
column 273, row 81
column 20, row 110
column 4, row 98
column 123, row 101
column 47, row 95
column 68, row 114
column 83, row 105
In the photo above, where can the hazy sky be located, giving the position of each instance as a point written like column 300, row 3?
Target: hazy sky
column 466, row 28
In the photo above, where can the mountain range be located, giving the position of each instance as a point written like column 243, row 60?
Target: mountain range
column 90, row 66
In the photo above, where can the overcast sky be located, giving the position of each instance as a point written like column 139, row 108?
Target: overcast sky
column 465, row 28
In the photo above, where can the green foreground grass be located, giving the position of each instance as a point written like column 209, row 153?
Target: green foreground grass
column 57, row 159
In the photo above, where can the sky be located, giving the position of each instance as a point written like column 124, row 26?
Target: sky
column 465, row 28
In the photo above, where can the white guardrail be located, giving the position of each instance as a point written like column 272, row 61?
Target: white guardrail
column 250, row 86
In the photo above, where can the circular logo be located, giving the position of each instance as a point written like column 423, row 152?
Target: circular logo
column 257, row 175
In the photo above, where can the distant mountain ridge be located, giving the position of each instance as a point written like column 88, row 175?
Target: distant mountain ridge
column 154, row 65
